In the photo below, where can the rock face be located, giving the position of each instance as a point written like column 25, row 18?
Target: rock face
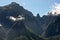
column 12, row 28
column 54, row 27
column 17, row 23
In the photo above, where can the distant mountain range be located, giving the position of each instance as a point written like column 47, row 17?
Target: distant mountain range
column 17, row 23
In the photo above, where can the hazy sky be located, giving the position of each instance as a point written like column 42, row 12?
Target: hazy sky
column 35, row 6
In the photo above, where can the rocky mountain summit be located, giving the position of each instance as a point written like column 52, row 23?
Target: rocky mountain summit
column 17, row 23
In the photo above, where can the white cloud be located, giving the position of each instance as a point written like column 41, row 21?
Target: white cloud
column 56, row 8
column 16, row 19
column 0, row 24
column 12, row 18
column 20, row 18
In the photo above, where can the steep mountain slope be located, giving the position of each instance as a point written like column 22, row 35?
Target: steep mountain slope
column 15, row 10
column 54, row 27
column 17, row 23
column 14, row 28
column 18, row 31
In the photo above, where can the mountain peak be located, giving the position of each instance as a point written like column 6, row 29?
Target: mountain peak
column 11, row 6
column 14, row 3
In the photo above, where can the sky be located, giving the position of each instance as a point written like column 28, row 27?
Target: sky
column 35, row 6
